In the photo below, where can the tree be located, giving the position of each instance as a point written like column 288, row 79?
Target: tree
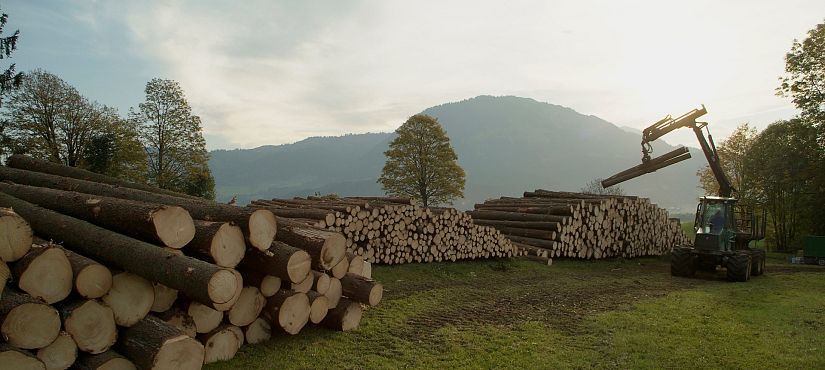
column 47, row 118
column 786, row 164
column 595, row 187
column 116, row 150
column 172, row 137
column 9, row 80
column 733, row 157
column 804, row 81
column 421, row 164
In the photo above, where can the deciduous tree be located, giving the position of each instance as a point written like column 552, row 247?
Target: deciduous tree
column 733, row 157
column 421, row 163
column 804, row 80
column 175, row 148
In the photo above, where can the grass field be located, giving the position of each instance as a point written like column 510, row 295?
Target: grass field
column 574, row 314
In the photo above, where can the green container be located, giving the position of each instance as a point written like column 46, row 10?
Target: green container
column 814, row 246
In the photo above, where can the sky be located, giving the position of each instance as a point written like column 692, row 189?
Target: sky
column 264, row 72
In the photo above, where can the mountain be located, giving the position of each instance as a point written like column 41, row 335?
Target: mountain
column 506, row 145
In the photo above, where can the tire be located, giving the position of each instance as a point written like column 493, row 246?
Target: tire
column 739, row 267
column 757, row 262
column 681, row 262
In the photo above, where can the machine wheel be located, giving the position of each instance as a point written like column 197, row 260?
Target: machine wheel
column 757, row 262
column 681, row 262
column 739, row 267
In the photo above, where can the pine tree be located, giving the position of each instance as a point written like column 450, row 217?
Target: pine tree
column 171, row 134
column 421, row 164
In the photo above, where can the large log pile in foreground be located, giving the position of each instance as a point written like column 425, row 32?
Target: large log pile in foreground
column 394, row 230
column 580, row 225
column 101, row 274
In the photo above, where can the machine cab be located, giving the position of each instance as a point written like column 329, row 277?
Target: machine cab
column 715, row 224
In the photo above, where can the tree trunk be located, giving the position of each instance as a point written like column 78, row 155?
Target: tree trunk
column 154, row 223
column 154, row 344
column 513, row 216
column 259, row 226
column 281, row 260
column 44, row 273
column 248, row 307
column 198, row 280
column 219, row 242
column 18, row 359
column 109, row 360
column 361, row 289
column 90, row 323
column 130, row 298
column 27, row 322
column 31, row 164
column 549, row 226
column 222, row 343
column 288, row 311
column 179, row 319
column 17, row 235
column 318, row 306
column 345, row 317
column 59, row 355
column 326, row 248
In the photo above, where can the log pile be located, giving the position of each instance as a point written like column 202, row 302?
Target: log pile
column 553, row 224
column 393, row 230
column 109, row 274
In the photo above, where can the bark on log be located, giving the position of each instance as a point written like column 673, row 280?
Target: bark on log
column 60, row 354
column 345, row 317
column 17, row 235
column 154, row 344
column 198, row 280
column 27, row 322
column 259, row 226
column 109, row 360
column 31, row 164
column 248, row 307
column 325, row 247
column 5, row 275
column 219, row 242
column 130, row 298
column 90, row 323
column 179, row 319
column 361, row 289
column 154, row 223
column 18, row 359
column 550, row 226
column 44, row 273
column 288, row 311
column 281, row 260
column 513, row 216
column 258, row 332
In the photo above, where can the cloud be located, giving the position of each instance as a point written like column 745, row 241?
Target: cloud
column 265, row 72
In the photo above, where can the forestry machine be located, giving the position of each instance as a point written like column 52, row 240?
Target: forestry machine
column 724, row 228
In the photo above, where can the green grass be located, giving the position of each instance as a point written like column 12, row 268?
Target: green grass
column 574, row 314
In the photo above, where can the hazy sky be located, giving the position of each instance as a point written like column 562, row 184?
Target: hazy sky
column 273, row 72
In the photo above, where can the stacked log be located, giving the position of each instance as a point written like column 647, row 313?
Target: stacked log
column 394, row 230
column 108, row 274
column 550, row 224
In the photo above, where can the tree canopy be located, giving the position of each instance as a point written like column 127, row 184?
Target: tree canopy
column 9, row 80
column 804, row 80
column 595, row 187
column 171, row 134
column 421, row 163
column 733, row 157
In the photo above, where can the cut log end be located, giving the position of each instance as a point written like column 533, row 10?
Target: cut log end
column 334, row 250
column 12, row 358
column 270, row 285
column 258, row 332
column 376, row 294
column 334, row 292
column 298, row 266
column 224, row 285
column 17, row 236
column 130, row 298
column 262, row 229
column 174, row 226
column 108, row 360
column 305, row 285
column 93, row 281
column 164, row 298
column 206, row 318
column 48, row 275
column 59, row 355
column 92, row 326
column 247, row 308
column 222, row 344
column 294, row 313
column 345, row 317
column 181, row 352
column 318, row 309
column 31, row 326
column 228, row 246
